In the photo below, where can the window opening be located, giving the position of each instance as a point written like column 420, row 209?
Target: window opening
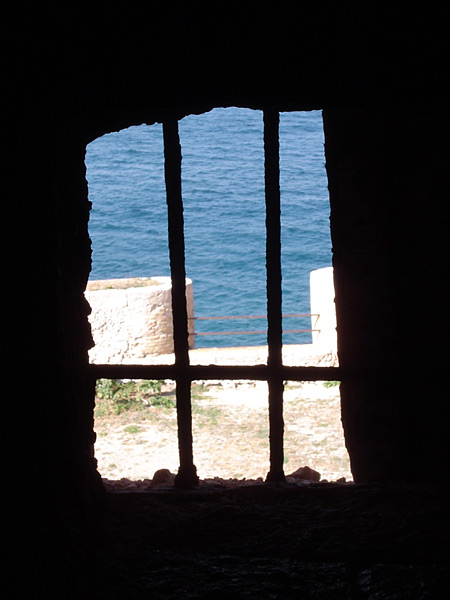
column 274, row 372
column 313, row 430
column 136, row 428
column 224, row 219
column 231, row 429
column 130, row 267
column 305, row 235
column 223, row 199
column 125, row 171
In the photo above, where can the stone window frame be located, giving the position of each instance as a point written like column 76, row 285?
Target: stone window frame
column 182, row 372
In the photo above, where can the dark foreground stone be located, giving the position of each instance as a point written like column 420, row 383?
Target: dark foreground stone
column 264, row 541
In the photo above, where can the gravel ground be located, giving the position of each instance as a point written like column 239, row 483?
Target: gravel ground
column 230, row 429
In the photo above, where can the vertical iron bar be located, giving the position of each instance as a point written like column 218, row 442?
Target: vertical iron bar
column 187, row 473
column 274, row 308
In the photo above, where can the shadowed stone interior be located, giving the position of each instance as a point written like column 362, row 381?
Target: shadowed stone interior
column 384, row 96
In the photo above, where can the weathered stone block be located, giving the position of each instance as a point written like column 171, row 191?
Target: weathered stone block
column 323, row 319
column 132, row 318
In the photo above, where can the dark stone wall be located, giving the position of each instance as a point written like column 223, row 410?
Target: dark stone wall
column 389, row 191
column 70, row 77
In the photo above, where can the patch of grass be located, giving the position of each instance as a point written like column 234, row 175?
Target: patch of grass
column 320, row 443
column 207, row 415
column 329, row 384
column 114, row 396
column 262, row 434
column 198, row 391
column 132, row 429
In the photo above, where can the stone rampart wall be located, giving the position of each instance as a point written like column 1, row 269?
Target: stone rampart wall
column 132, row 318
column 323, row 309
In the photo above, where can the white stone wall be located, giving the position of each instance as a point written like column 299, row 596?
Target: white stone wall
column 322, row 304
column 132, row 318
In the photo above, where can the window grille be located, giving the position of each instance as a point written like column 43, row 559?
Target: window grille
column 274, row 372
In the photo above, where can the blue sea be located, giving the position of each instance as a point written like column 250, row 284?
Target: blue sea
column 223, row 193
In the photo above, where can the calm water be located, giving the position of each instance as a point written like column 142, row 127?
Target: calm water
column 223, row 192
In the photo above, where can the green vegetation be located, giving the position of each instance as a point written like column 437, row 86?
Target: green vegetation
column 198, row 390
column 115, row 397
column 132, row 429
column 329, row 384
column 207, row 415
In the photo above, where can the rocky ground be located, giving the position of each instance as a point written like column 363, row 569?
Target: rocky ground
column 230, row 428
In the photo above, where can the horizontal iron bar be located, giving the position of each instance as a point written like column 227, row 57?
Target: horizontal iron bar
column 250, row 372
